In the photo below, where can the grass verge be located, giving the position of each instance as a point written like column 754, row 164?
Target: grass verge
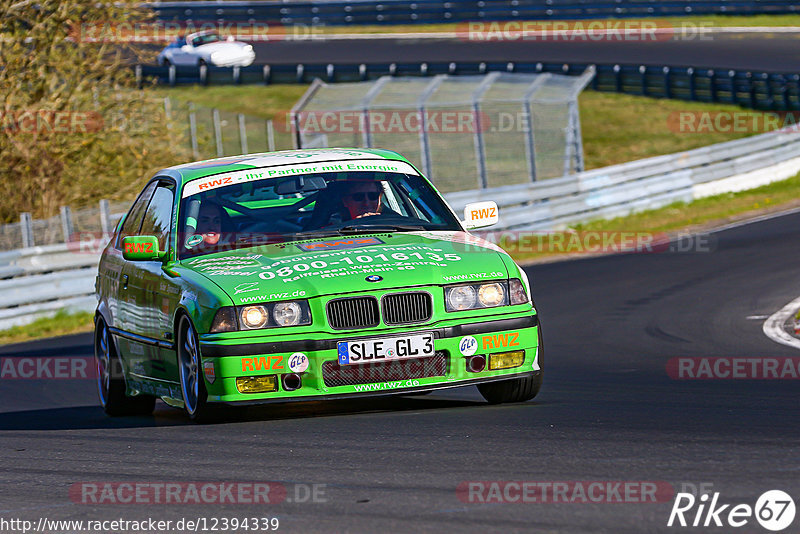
column 700, row 215
column 61, row 324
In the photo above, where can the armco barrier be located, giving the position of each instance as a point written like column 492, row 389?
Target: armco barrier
column 644, row 184
column 757, row 90
column 38, row 281
column 354, row 12
column 41, row 280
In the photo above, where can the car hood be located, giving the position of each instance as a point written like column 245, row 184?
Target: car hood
column 338, row 265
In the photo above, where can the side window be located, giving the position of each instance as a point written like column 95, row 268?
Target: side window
column 134, row 218
column 158, row 217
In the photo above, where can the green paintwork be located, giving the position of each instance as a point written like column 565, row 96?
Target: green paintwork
column 141, row 298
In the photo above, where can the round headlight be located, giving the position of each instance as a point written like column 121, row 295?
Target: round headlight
column 254, row 316
column 490, row 295
column 461, row 297
column 286, row 313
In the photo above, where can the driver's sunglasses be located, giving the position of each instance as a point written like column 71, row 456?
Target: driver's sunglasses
column 360, row 197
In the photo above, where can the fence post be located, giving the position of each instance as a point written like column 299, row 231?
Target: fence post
column 712, row 80
column 193, row 131
column 692, row 84
column 242, row 134
column 26, row 227
column 480, row 147
column 168, row 108
column 643, row 79
column 667, row 82
column 424, row 142
column 105, row 217
column 527, row 114
column 217, row 132
column 270, row 136
column 66, row 223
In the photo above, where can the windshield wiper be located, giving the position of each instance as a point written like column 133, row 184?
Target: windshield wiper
column 378, row 228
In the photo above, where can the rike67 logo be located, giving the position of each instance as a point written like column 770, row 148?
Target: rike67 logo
column 774, row 510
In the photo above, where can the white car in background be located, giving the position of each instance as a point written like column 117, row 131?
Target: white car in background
column 207, row 48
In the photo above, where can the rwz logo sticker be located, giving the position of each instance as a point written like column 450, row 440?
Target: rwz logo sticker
column 216, row 183
column 139, row 247
column 484, row 213
column 341, row 244
column 264, row 363
column 498, row 341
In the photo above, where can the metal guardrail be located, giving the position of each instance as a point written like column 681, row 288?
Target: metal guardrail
column 757, row 90
column 41, row 280
column 650, row 183
column 440, row 11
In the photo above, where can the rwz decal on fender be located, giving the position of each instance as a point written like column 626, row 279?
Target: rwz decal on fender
column 497, row 341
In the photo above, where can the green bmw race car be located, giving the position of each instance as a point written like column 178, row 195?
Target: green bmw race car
column 306, row 275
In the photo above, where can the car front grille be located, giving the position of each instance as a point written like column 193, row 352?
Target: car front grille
column 334, row 374
column 407, row 308
column 350, row 313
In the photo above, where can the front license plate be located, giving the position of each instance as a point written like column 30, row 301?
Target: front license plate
column 386, row 348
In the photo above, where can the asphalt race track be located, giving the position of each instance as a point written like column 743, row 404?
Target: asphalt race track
column 757, row 52
column 608, row 412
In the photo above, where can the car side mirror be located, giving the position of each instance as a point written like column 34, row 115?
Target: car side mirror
column 142, row 248
column 480, row 214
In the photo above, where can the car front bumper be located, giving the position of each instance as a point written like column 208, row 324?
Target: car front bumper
column 325, row 378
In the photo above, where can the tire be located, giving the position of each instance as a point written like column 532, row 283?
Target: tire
column 110, row 380
column 193, row 386
column 201, row 62
column 515, row 389
column 165, row 62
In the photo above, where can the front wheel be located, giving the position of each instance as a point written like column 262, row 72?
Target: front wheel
column 195, row 396
column 513, row 390
column 110, row 380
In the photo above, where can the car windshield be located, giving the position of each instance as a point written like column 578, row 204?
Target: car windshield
column 215, row 216
column 205, row 39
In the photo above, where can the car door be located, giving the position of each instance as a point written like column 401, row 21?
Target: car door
column 131, row 352
column 157, row 292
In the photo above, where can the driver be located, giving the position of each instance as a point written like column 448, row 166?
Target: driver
column 362, row 199
column 209, row 223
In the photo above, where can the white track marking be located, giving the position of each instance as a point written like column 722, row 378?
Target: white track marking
column 773, row 327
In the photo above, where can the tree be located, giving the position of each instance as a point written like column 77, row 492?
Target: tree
column 73, row 126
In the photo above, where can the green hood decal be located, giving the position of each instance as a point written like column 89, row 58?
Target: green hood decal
column 347, row 264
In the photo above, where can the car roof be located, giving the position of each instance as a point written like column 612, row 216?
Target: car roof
column 190, row 171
